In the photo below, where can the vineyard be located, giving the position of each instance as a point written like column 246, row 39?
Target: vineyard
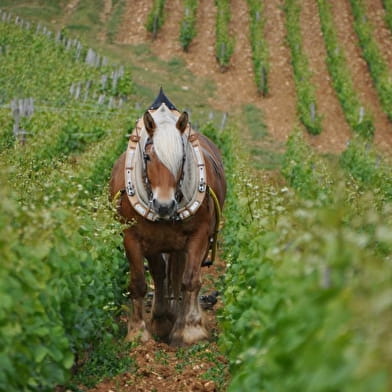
column 298, row 101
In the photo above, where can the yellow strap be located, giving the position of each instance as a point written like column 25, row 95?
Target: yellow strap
column 117, row 197
column 218, row 209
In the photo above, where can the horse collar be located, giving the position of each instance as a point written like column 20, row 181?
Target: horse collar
column 144, row 207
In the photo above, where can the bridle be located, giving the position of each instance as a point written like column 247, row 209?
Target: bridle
column 178, row 195
column 185, row 208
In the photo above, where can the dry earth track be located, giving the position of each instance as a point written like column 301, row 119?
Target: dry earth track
column 375, row 12
column 161, row 368
column 279, row 107
column 68, row 11
column 132, row 30
column 167, row 44
column 344, row 22
column 336, row 132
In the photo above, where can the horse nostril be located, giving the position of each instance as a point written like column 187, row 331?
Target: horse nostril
column 164, row 209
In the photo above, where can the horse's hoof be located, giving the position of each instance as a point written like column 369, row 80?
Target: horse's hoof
column 189, row 335
column 138, row 334
column 161, row 326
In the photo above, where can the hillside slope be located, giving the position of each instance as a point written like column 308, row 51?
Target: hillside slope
column 125, row 19
column 308, row 244
column 236, row 88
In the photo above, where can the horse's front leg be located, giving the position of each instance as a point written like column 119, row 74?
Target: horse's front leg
column 189, row 326
column 138, row 288
column 161, row 320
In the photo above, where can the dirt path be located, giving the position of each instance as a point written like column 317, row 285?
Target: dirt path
column 236, row 86
column 107, row 9
column 344, row 27
column 162, row 368
column 327, row 101
column 68, row 11
column 279, row 106
column 383, row 36
column 201, row 56
column 132, row 30
column 167, row 44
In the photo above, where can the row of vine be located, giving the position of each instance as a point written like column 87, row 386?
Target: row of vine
column 300, row 259
column 379, row 71
column 306, row 100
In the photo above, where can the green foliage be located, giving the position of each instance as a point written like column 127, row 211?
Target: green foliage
column 125, row 85
column 304, row 170
column 259, row 45
column 359, row 118
column 109, row 358
column 306, row 101
column 224, row 43
column 86, row 18
column 6, row 133
column 388, row 13
column 224, row 140
column 307, row 282
column 369, row 167
column 255, row 121
column 381, row 74
column 62, row 273
column 35, row 65
column 156, row 17
column 59, row 273
column 115, row 19
column 34, row 9
column 188, row 23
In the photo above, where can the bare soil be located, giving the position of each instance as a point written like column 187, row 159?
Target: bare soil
column 133, row 31
column 68, row 11
column 336, row 131
column 360, row 73
column 383, row 36
column 236, row 87
column 162, row 368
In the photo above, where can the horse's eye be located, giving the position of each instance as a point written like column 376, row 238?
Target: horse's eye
column 146, row 157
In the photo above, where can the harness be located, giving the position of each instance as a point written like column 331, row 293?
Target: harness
column 186, row 210
column 144, row 207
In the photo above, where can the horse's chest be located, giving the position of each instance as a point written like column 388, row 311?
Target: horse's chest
column 160, row 239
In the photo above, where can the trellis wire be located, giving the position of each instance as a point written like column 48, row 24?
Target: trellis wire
column 21, row 108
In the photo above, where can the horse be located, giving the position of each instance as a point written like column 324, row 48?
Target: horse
column 169, row 188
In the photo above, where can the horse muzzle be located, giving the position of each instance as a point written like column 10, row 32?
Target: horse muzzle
column 166, row 211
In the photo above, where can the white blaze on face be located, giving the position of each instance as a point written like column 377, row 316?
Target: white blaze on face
column 164, row 196
column 166, row 164
column 168, row 141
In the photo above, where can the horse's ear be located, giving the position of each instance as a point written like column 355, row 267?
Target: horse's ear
column 149, row 123
column 182, row 122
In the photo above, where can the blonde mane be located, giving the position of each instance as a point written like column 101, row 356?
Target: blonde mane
column 168, row 141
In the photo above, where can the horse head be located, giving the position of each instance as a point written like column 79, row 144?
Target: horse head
column 164, row 156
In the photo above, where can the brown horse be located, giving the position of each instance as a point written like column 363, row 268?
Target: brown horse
column 169, row 187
